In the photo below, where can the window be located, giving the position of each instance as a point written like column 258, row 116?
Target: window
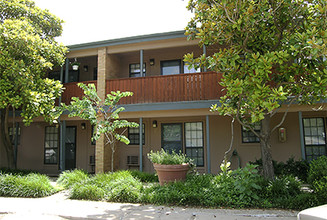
column 248, row 136
column 194, row 145
column 134, row 70
column 12, row 133
column 170, row 67
column 134, row 136
column 314, row 138
column 93, row 142
column 51, row 143
column 192, row 70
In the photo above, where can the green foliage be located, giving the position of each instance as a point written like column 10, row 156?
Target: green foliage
column 296, row 168
column 318, row 169
column 69, row 178
column 164, row 157
column 269, row 53
column 28, row 49
column 144, row 177
column 18, row 172
column 31, row 185
column 120, row 186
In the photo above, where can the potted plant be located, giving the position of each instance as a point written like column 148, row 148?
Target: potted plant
column 170, row 167
column 75, row 65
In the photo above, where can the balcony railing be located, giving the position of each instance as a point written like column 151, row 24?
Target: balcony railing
column 171, row 88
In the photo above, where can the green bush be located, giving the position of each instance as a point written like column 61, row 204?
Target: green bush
column 144, row 177
column 31, row 185
column 87, row 192
column 292, row 167
column 318, row 169
column 70, row 177
column 119, row 186
column 16, row 171
column 320, row 190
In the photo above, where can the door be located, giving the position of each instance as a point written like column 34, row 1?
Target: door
column 70, row 148
column 172, row 137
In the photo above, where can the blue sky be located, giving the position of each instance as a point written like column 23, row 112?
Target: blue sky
column 94, row 20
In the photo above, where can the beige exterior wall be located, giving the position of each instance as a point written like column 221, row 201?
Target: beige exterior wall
column 31, row 148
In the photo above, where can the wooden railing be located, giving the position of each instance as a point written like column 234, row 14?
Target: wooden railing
column 72, row 90
column 171, row 88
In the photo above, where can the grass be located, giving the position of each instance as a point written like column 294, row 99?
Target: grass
column 31, row 185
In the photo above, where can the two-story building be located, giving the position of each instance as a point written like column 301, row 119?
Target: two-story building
column 171, row 103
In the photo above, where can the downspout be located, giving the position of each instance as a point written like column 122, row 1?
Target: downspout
column 62, row 127
column 208, row 145
column 66, row 71
column 141, row 63
column 141, row 144
column 301, row 135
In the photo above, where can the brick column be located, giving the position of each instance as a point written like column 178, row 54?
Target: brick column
column 101, row 151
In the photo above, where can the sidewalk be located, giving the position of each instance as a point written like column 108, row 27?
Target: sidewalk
column 59, row 207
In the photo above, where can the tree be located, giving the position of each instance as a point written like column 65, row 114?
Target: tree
column 271, row 53
column 27, row 50
column 103, row 115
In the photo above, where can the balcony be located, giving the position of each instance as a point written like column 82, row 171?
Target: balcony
column 154, row 89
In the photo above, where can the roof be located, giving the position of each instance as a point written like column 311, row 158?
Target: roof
column 128, row 40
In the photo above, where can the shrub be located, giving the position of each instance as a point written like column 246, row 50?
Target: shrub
column 30, row 185
column 144, row 177
column 16, row 171
column 87, row 192
column 292, row 167
column 320, row 189
column 68, row 178
column 318, row 169
column 119, row 186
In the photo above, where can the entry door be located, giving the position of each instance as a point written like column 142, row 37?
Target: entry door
column 172, row 137
column 70, row 148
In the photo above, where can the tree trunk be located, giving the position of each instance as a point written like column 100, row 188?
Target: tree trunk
column 112, row 155
column 267, row 165
column 9, row 149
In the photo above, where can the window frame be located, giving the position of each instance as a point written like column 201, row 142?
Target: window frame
column 11, row 132
column 132, row 74
column 249, row 134
column 47, row 148
column 203, row 144
column 306, row 146
column 166, row 61
column 138, row 133
column 186, row 64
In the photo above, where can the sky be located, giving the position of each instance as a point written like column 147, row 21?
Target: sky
column 95, row 20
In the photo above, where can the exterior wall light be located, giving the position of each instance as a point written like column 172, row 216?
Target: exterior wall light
column 83, row 126
column 86, row 68
column 154, row 123
column 151, row 62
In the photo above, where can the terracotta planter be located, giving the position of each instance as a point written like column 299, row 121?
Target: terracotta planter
column 171, row 173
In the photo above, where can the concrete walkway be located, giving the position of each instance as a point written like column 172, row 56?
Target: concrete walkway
column 59, row 207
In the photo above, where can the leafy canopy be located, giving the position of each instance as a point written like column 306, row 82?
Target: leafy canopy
column 270, row 52
column 104, row 115
column 27, row 50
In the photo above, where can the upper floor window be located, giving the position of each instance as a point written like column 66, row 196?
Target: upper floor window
column 248, row 136
column 170, row 67
column 135, row 70
column 192, row 70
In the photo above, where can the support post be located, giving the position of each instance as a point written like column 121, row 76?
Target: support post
column 62, row 145
column 67, row 71
column 141, row 63
column 205, row 54
column 141, row 144
column 301, row 135
column 208, row 145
